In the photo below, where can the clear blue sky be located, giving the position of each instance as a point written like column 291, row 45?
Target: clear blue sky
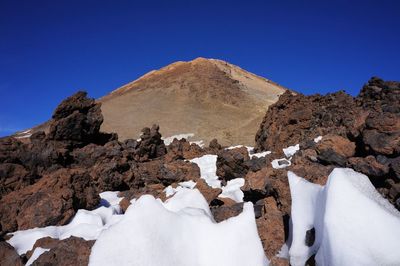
column 50, row 49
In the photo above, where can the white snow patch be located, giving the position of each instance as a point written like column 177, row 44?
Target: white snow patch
column 305, row 197
column 281, row 163
column 152, row 234
column 283, row 252
column 168, row 140
column 85, row 224
column 36, row 253
column 318, row 139
column 169, row 191
column 354, row 224
column 23, row 136
column 200, row 143
column 250, row 151
column 208, row 169
column 239, row 146
column 186, row 199
column 291, row 150
column 260, row 154
column 232, row 190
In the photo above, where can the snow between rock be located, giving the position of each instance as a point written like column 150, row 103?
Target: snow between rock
column 151, row 234
column 354, row 224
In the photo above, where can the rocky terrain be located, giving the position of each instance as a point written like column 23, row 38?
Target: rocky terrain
column 206, row 98
column 47, row 179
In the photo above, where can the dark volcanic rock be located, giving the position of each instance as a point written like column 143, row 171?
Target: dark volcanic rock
column 298, row 118
column 76, row 119
column 368, row 166
column 157, row 171
column 8, row 255
column 67, row 252
column 13, row 177
column 182, row 149
column 381, row 96
column 271, row 228
column 362, row 132
column 225, row 212
column 53, row 200
column 214, row 145
column 151, row 145
column 231, row 163
column 333, row 149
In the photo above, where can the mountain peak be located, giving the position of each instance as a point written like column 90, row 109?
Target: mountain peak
column 207, row 97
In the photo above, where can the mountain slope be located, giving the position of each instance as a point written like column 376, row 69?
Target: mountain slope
column 207, row 97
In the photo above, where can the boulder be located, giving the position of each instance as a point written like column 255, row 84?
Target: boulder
column 334, row 149
column 70, row 251
column 183, row 150
column 271, row 227
column 53, row 200
column 208, row 192
column 297, row 118
column 151, row 145
column 221, row 213
column 8, row 255
column 77, row 119
column 231, row 163
column 368, row 166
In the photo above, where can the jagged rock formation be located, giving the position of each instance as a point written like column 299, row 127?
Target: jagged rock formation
column 362, row 133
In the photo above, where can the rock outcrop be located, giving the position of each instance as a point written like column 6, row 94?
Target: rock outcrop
column 362, row 133
column 70, row 251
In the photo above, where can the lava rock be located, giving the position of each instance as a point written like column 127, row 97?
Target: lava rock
column 151, row 145
column 77, row 119
column 53, row 200
column 231, row 163
column 70, row 251
column 8, row 255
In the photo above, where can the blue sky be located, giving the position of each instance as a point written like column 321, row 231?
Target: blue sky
column 50, row 49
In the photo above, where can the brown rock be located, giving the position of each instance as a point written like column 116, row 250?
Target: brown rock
column 53, row 200
column 395, row 166
column 368, row 166
column 214, row 145
column 208, row 192
column 224, row 212
column 77, row 118
column 156, row 171
column 231, row 163
column 275, row 261
column 124, row 203
column 150, row 145
column 270, row 227
column 340, row 145
column 68, row 252
column 13, row 177
column 296, row 118
column 182, row 149
column 257, row 186
column 8, row 255
column 382, row 143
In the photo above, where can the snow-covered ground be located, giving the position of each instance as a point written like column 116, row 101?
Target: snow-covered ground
column 354, row 224
column 86, row 224
column 179, row 232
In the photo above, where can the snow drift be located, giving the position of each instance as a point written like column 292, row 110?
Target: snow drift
column 156, row 233
column 354, row 224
